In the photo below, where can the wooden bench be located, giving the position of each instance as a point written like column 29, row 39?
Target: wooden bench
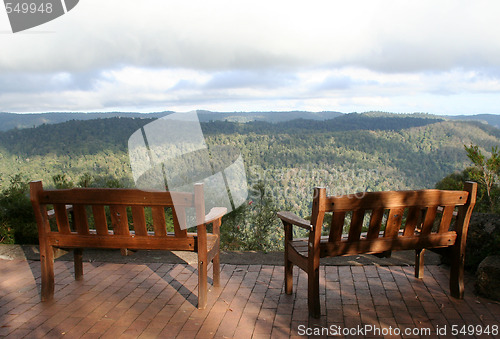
column 113, row 206
column 413, row 220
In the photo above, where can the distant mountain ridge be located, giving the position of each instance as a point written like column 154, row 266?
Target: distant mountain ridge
column 282, row 116
column 28, row 120
column 491, row 119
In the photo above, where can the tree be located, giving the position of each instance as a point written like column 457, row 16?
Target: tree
column 17, row 220
column 454, row 181
column 263, row 223
column 61, row 181
column 85, row 180
column 489, row 169
column 232, row 231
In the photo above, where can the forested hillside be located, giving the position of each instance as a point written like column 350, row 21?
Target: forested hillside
column 350, row 153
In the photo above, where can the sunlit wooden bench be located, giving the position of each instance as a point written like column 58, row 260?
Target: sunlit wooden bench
column 123, row 207
column 393, row 220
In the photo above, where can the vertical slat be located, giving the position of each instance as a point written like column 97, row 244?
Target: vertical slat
column 101, row 225
column 336, row 226
column 430, row 216
column 139, row 220
column 356, row 225
column 394, row 222
column 412, row 220
column 444, row 226
column 179, row 216
column 159, row 223
column 375, row 223
column 62, row 218
column 81, row 222
column 423, row 213
column 119, row 219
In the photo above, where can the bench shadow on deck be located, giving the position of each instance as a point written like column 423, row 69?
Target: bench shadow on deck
column 149, row 300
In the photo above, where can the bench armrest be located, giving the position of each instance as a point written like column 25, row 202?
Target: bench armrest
column 294, row 220
column 214, row 214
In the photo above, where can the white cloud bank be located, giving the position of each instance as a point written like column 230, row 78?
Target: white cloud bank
column 441, row 57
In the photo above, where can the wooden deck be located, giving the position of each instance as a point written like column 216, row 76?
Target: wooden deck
column 159, row 301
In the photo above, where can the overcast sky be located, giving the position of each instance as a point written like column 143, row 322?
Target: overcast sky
column 440, row 57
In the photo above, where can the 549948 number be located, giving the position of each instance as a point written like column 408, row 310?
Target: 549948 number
column 28, row 7
column 474, row 330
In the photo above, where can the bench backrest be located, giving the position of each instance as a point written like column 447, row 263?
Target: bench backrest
column 384, row 219
column 98, row 203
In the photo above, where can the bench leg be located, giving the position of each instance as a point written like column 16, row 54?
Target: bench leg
column 77, row 256
column 313, row 292
column 457, row 275
column 47, row 265
column 419, row 263
column 125, row 252
column 288, row 274
column 202, row 284
column 216, row 270
column 288, row 263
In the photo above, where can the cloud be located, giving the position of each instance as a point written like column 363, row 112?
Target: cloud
column 388, row 36
column 153, row 89
column 24, row 82
column 244, row 55
column 336, row 83
column 245, row 78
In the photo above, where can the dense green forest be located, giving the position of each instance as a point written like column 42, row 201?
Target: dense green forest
column 395, row 152
column 284, row 160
